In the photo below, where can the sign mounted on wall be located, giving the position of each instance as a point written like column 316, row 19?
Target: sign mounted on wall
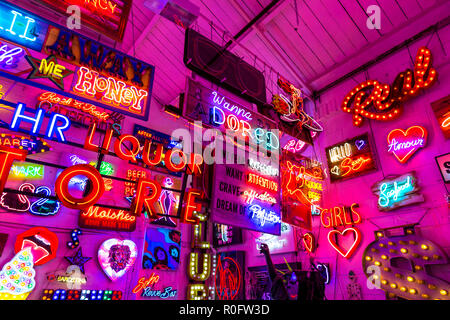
column 350, row 158
column 441, row 110
column 405, row 265
column 397, row 191
column 31, row 144
column 443, row 162
column 245, row 198
column 229, row 278
column 377, row 101
column 94, row 72
column 403, row 144
column 225, row 235
column 108, row 17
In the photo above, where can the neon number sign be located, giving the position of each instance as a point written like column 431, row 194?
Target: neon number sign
column 374, row 100
column 403, row 144
column 350, row 158
column 397, row 191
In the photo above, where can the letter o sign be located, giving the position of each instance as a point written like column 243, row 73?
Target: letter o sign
column 62, row 186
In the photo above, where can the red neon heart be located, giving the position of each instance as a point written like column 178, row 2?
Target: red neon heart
column 308, row 241
column 416, row 135
column 351, row 250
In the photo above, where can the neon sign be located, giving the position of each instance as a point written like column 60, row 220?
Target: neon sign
column 29, row 171
column 397, row 191
column 403, row 144
column 292, row 111
column 350, row 158
column 9, row 57
column 308, row 241
column 32, row 145
column 262, row 182
column 57, row 124
column 441, row 109
column 107, row 219
column 146, row 286
column 346, row 217
column 377, row 101
column 48, row 68
column 417, row 281
column 116, row 257
column 110, row 91
column 264, row 197
column 229, row 281
column 224, row 235
column 263, row 168
column 21, row 27
column 263, row 216
column 61, row 294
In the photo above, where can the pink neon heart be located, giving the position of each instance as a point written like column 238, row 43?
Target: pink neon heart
column 403, row 144
column 116, row 257
column 353, row 247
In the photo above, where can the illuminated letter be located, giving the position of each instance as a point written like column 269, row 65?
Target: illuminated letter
column 7, row 156
column 197, row 292
column 88, row 145
column 149, row 200
column 172, row 166
column 356, row 213
column 62, row 186
column 131, row 156
column 322, row 218
column 19, row 117
column 194, row 165
column 193, row 267
column 52, row 127
column 191, row 207
column 146, row 154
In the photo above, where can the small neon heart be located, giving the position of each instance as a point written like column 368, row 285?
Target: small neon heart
column 335, row 170
column 308, row 241
column 351, row 250
column 360, row 144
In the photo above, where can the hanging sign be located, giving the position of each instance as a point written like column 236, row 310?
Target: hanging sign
column 216, row 110
column 77, row 67
column 441, row 110
column 443, row 162
column 244, row 197
column 397, row 191
column 350, row 158
column 403, row 144
column 109, row 17
column 377, row 101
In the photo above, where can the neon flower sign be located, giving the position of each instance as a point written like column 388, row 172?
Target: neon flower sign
column 387, row 102
column 397, row 191
column 403, row 144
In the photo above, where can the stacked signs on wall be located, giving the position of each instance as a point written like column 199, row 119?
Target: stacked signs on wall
column 247, row 196
column 72, row 66
column 397, row 191
column 350, row 158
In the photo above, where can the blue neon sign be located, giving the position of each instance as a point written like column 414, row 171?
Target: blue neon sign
column 22, row 28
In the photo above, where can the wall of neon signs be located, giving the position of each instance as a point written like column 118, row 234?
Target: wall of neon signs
column 55, row 66
column 244, row 197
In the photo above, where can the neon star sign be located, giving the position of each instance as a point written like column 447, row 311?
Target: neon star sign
column 48, row 68
column 397, row 191
column 403, row 144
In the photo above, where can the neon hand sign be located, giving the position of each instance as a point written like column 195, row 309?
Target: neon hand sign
column 374, row 100
column 403, row 144
column 397, row 191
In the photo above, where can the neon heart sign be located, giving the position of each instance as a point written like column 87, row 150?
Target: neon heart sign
column 308, row 241
column 116, row 257
column 349, row 252
column 403, row 144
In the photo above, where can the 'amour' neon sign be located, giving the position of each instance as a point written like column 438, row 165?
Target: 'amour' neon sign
column 403, row 144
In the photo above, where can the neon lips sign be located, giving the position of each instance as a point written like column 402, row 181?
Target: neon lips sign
column 403, row 144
